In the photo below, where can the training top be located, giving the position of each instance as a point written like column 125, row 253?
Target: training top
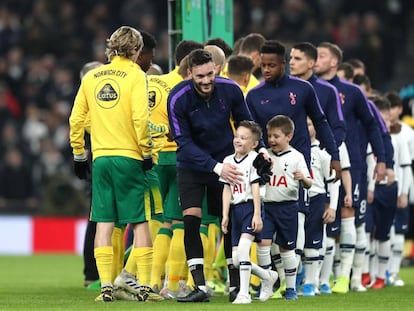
column 242, row 192
column 331, row 105
column 385, row 136
column 116, row 97
column 282, row 185
column 356, row 111
column 201, row 128
column 296, row 99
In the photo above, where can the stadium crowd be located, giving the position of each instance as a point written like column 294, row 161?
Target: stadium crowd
column 43, row 45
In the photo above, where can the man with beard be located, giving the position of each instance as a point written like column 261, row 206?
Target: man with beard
column 199, row 112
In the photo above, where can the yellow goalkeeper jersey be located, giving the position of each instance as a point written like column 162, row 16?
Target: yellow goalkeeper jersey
column 159, row 86
column 115, row 95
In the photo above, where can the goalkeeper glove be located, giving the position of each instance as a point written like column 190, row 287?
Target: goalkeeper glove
column 147, row 164
column 263, row 167
column 81, row 166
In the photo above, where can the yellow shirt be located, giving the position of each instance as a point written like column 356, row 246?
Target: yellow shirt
column 159, row 86
column 116, row 97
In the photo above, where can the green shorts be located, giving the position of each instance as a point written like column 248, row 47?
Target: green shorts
column 155, row 193
column 120, row 191
column 167, row 174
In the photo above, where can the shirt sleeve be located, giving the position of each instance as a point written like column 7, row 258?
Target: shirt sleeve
column 140, row 115
column 77, row 122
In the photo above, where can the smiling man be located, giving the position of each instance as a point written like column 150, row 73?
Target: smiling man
column 199, row 112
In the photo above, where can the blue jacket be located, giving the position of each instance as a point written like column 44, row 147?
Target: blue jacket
column 296, row 99
column 202, row 128
column 358, row 115
column 331, row 105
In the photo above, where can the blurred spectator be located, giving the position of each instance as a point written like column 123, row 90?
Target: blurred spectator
column 16, row 183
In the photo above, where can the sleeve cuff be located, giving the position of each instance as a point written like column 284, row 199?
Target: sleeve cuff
column 80, row 157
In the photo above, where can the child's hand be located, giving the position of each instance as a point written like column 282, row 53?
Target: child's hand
column 348, row 201
column 224, row 224
column 257, row 224
column 329, row 216
column 298, row 175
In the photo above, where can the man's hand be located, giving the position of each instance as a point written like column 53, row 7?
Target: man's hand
column 81, row 166
column 147, row 164
column 379, row 171
column 390, row 176
column 263, row 167
column 231, row 174
column 336, row 166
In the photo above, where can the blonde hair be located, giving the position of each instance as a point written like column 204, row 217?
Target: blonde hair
column 126, row 41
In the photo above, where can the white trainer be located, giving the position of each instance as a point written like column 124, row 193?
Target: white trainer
column 242, row 299
column 266, row 291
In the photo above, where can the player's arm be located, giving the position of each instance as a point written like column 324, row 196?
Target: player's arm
column 77, row 123
column 302, row 174
column 140, row 115
column 226, row 208
column 333, row 112
column 257, row 221
column 329, row 214
column 322, row 128
column 367, row 119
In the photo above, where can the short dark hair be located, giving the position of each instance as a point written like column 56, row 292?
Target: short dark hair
column 334, row 49
column 382, row 103
column 356, row 63
column 362, row 79
column 239, row 64
column 184, row 48
column 221, row 44
column 273, row 47
column 149, row 40
column 253, row 127
column 199, row 57
column 283, row 122
column 308, row 49
column 348, row 70
column 394, row 99
column 251, row 43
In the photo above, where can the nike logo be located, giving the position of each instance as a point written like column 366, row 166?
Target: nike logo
column 290, row 242
column 334, row 228
column 361, row 216
column 404, row 227
column 249, row 228
column 316, row 241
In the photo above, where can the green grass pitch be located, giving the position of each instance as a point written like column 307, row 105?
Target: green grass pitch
column 55, row 282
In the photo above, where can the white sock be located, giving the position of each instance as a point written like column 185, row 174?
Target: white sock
column 277, row 260
column 359, row 256
column 365, row 264
column 383, row 257
column 311, row 265
column 397, row 252
column 326, row 269
column 347, row 245
column 263, row 256
column 373, row 260
column 289, row 264
column 336, row 267
column 243, row 253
